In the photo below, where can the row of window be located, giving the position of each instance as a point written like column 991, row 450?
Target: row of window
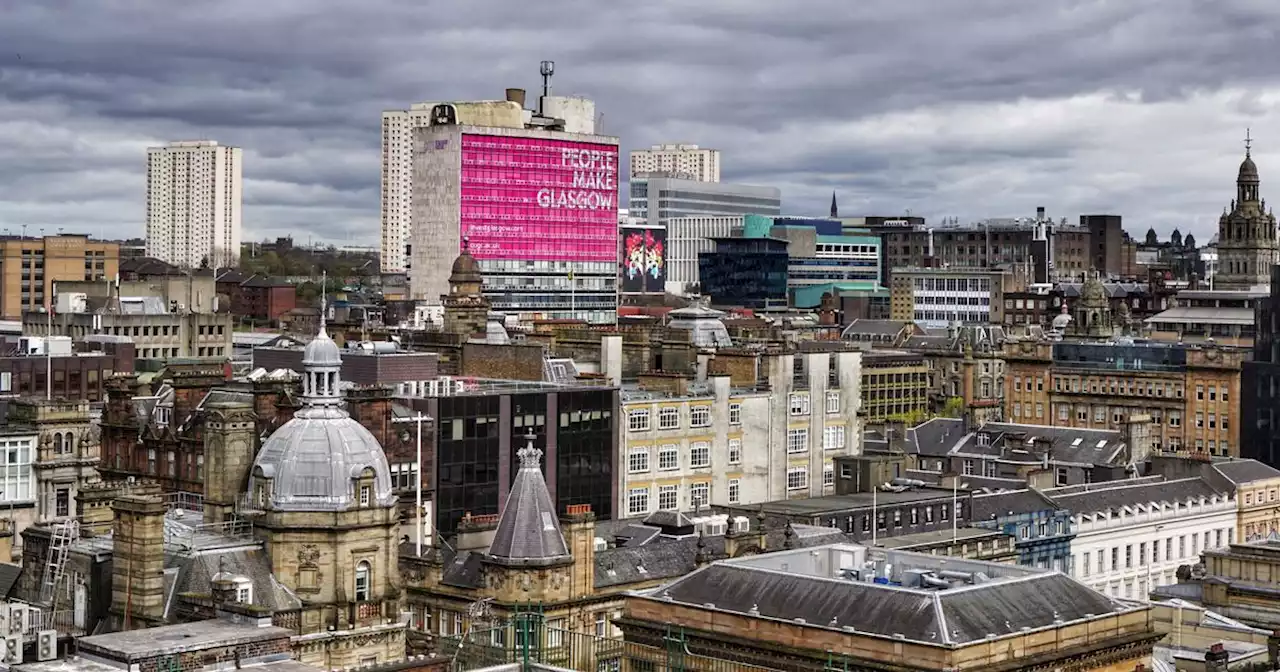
column 1104, row 560
column 799, row 403
column 699, row 493
column 638, row 420
column 952, row 284
column 1127, row 386
column 669, row 456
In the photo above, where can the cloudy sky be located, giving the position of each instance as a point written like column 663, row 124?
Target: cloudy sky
column 971, row 109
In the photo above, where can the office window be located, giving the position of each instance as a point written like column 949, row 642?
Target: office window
column 833, row 402
column 735, row 414
column 699, row 495
column 669, row 457
column 700, row 454
column 797, row 478
column 668, row 418
column 833, row 437
column 668, row 497
column 700, row 416
column 735, row 491
column 797, row 440
column 799, row 404
column 638, row 420
column 735, row 451
column 637, row 501
column 638, row 460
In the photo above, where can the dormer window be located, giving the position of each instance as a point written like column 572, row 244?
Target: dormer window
column 244, row 591
column 363, row 487
column 984, row 439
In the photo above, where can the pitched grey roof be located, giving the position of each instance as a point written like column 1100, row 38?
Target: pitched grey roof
column 874, row 328
column 990, row 507
column 8, row 577
column 936, row 437
column 1143, row 492
column 943, row 618
column 1069, row 444
column 1245, row 471
column 529, row 530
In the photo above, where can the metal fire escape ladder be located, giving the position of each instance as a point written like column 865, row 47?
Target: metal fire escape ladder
column 64, row 534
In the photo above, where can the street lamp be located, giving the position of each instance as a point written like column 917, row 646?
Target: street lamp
column 418, row 419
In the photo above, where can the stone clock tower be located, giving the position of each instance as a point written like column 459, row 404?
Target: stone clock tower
column 1246, row 235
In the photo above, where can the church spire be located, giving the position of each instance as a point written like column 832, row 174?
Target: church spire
column 835, row 212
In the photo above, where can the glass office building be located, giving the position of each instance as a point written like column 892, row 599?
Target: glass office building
column 745, row 272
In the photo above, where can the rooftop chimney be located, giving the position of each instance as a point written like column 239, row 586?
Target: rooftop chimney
column 516, row 96
column 137, row 562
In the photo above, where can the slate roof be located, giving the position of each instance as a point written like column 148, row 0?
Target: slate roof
column 990, row 507
column 8, row 577
column 1069, row 444
column 529, row 529
column 1144, row 492
column 874, row 328
column 1245, row 471
column 936, row 437
column 148, row 266
column 948, row 618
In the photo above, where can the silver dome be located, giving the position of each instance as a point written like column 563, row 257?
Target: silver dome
column 321, row 351
column 314, row 459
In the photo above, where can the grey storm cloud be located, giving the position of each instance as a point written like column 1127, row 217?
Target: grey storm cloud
column 970, row 109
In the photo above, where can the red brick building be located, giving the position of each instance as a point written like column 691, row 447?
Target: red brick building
column 257, row 297
column 159, row 434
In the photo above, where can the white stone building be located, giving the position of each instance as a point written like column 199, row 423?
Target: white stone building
column 194, row 193
column 708, row 443
column 1132, row 535
column 690, row 161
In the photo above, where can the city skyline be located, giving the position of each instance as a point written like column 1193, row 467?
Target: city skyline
column 1138, row 110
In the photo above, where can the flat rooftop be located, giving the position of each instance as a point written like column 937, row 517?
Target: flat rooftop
column 136, row 645
column 927, row 599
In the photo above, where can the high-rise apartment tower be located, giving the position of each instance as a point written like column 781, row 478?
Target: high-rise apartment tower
column 193, row 203
column 687, row 161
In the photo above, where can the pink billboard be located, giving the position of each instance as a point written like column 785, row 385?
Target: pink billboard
column 539, row 199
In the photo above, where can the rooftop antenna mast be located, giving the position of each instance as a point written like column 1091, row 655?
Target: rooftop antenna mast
column 547, row 68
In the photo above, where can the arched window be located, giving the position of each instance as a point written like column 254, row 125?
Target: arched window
column 70, row 442
column 57, row 442
column 362, row 581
